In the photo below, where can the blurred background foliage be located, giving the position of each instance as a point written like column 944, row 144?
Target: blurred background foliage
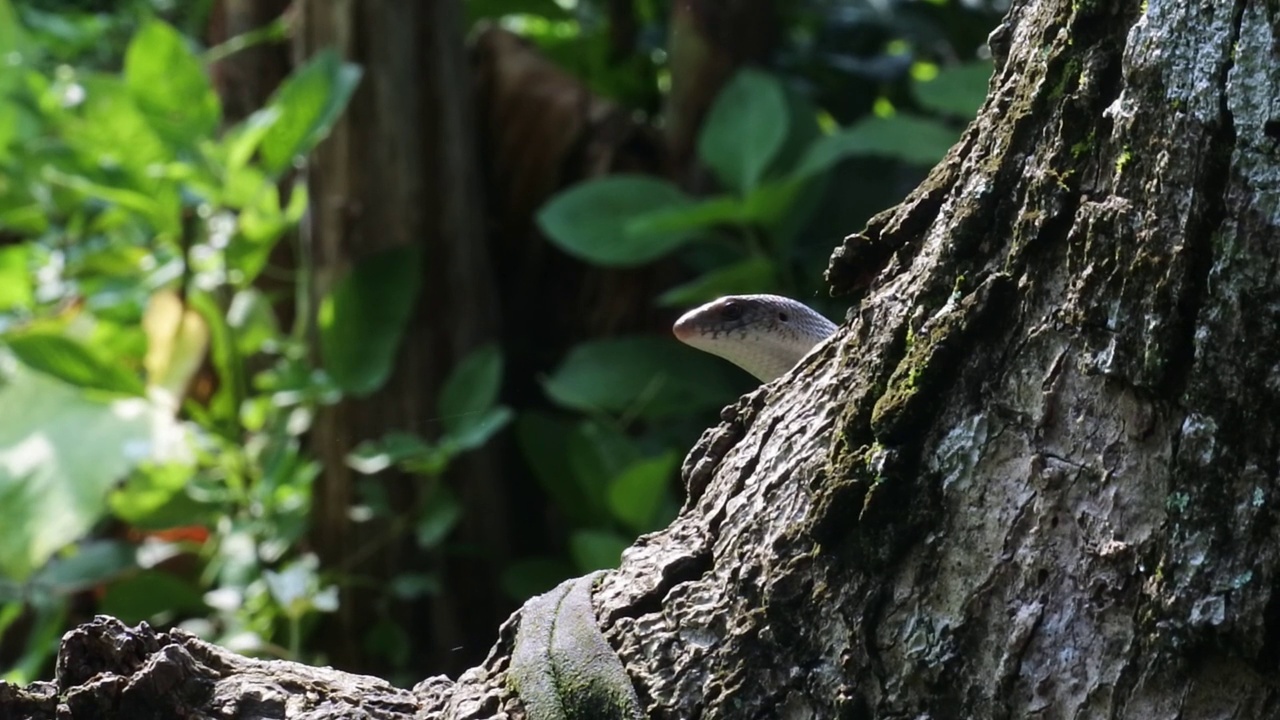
column 173, row 343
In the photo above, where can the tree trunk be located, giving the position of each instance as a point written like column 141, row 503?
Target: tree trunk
column 400, row 170
column 1034, row 474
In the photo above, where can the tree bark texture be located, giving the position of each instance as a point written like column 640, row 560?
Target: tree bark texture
column 1035, row 472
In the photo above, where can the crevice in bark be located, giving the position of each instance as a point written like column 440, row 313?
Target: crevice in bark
column 1201, row 234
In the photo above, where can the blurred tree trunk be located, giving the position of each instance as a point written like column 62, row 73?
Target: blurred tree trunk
column 1034, row 474
column 400, row 171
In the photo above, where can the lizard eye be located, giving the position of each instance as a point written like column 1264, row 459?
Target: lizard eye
column 732, row 311
column 783, row 316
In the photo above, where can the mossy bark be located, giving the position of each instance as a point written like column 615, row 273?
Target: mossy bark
column 1035, row 474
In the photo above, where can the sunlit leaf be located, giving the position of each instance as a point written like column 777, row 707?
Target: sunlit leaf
column 603, row 221
column 363, row 319
column 309, row 103
column 16, row 290
column 744, row 129
column 60, row 455
column 169, row 84
column 71, row 361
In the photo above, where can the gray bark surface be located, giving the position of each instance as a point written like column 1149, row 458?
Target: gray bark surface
column 1035, row 472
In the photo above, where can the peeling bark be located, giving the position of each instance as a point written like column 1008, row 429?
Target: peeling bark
column 1035, row 473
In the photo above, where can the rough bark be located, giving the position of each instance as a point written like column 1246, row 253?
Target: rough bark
column 1035, row 473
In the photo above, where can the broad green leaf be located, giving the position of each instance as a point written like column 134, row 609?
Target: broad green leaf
column 744, row 129
column 751, row 274
column 309, row 103
column 637, row 493
column 471, row 389
column 596, row 549
column 85, row 565
column 958, row 89
column 651, row 376
column 438, row 520
column 151, row 594
column 603, row 221
column 109, row 130
column 363, row 319
column 169, row 84
column 71, row 361
column 906, row 138
column 60, row 455
column 16, row 289
column 700, row 215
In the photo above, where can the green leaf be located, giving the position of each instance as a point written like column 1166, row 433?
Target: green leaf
column 438, row 520
column 637, row 493
column 744, row 129
column 86, row 565
column 479, row 428
column 471, row 389
column 372, row 456
column 596, row 549
column 72, row 362
column 151, row 594
column 169, row 84
column 653, row 377
column 16, row 290
column 60, row 457
column 910, row 139
column 154, row 497
column 309, row 103
column 13, row 38
column 363, row 319
column 604, row 221
column 958, row 89
column 598, row 452
column 494, row 9
column 751, row 274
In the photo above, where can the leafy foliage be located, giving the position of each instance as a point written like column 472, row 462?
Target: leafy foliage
column 148, row 381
